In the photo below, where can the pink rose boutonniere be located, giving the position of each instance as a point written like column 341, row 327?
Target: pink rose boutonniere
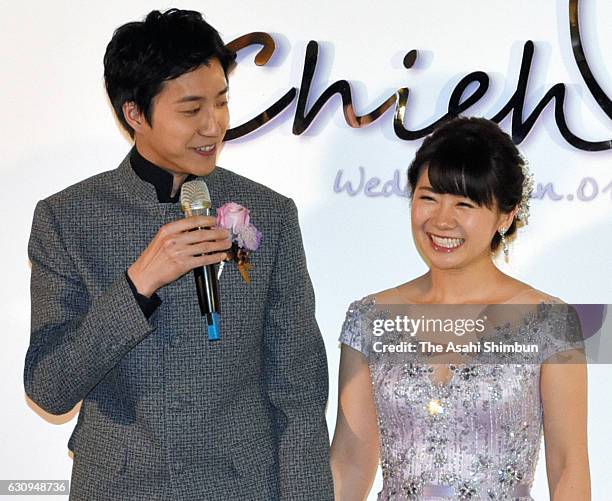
column 246, row 238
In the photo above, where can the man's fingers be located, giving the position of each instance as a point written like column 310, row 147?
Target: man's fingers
column 200, row 221
column 178, row 240
column 195, row 236
column 209, row 259
column 208, row 247
column 187, row 224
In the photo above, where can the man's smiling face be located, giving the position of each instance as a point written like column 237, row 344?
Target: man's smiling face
column 189, row 119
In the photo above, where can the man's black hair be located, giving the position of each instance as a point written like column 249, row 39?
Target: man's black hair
column 143, row 55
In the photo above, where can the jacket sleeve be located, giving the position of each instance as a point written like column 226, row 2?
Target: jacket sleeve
column 296, row 371
column 75, row 339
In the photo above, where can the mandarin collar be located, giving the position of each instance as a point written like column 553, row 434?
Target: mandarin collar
column 146, row 191
column 161, row 179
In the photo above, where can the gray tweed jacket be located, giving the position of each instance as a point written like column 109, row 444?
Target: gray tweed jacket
column 167, row 414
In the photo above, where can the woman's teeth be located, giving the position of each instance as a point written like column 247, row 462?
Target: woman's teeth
column 206, row 148
column 449, row 243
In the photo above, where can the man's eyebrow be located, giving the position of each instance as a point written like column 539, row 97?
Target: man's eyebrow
column 188, row 99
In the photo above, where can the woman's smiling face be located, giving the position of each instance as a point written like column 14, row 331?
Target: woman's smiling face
column 452, row 231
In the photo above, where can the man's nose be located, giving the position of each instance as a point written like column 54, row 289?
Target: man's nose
column 209, row 125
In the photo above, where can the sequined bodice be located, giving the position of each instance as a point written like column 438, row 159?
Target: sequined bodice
column 476, row 436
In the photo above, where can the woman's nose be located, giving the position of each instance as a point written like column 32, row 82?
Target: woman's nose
column 444, row 217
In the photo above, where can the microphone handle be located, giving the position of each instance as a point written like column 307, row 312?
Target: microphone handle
column 207, row 284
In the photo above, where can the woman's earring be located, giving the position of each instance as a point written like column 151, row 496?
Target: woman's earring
column 504, row 243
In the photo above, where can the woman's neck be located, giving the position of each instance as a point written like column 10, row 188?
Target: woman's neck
column 477, row 283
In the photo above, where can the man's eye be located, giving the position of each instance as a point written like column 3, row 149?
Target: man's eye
column 222, row 104
column 191, row 112
column 425, row 197
column 465, row 204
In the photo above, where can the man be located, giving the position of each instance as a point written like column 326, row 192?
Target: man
column 167, row 413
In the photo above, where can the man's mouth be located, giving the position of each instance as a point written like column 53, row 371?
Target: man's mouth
column 206, row 150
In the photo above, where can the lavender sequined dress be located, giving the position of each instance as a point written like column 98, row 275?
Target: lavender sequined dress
column 476, row 436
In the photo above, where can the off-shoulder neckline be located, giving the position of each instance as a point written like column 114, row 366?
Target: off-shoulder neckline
column 550, row 299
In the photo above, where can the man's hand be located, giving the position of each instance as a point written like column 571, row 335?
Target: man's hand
column 177, row 248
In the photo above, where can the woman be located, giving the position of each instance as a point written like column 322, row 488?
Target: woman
column 463, row 431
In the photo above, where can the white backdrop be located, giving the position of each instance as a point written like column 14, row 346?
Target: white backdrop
column 58, row 128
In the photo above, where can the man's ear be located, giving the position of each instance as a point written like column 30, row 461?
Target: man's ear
column 134, row 116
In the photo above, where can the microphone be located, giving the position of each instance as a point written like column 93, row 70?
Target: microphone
column 195, row 201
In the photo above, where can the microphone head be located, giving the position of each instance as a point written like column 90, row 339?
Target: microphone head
column 195, row 197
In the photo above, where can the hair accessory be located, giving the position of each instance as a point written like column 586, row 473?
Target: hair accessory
column 522, row 213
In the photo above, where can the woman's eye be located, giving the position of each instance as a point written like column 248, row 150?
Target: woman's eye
column 425, row 197
column 222, row 104
column 465, row 204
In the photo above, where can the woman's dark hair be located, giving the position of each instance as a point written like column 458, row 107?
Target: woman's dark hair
column 142, row 56
column 473, row 158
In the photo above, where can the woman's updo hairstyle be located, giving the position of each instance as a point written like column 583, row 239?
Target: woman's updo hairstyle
column 472, row 157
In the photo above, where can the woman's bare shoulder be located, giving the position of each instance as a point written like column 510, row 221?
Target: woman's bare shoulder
column 530, row 295
column 404, row 293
